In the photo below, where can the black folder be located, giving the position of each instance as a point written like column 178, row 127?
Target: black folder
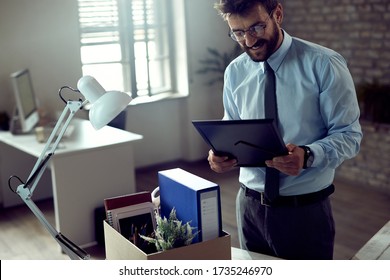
column 251, row 142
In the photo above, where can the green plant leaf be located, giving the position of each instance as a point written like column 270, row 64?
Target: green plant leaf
column 171, row 233
column 215, row 63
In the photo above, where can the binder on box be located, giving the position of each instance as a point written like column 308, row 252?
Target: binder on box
column 126, row 200
column 195, row 199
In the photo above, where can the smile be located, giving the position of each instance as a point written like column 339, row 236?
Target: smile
column 258, row 45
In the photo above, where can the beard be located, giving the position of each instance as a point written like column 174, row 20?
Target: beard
column 263, row 48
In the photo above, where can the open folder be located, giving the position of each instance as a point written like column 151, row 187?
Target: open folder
column 251, row 142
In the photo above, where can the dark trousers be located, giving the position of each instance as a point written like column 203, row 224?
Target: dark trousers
column 303, row 232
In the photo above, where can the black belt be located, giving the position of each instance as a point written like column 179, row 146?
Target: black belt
column 291, row 201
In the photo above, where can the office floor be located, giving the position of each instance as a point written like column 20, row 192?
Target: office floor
column 359, row 214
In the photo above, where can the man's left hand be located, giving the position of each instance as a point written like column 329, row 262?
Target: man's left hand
column 290, row 164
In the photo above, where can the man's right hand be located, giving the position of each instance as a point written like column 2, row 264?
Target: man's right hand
column 220, row 164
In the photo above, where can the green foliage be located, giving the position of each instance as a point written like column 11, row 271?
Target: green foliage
column 171, row 233
column 215, row 64
column 374, row 100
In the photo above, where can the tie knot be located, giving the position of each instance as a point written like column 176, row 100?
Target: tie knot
column 267, row 67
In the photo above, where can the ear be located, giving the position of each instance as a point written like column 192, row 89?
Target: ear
column 278, row 14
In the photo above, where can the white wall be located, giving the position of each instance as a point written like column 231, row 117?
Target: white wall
column 42, row 35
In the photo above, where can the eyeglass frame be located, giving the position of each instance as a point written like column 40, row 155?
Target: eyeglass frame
column 251, row 30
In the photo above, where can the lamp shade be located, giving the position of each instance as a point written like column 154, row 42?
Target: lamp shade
column 105, row 106
column 90, row 88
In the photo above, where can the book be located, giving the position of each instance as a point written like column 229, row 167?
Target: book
column 195, row 199
column 132, row 215
column 126, row 200
column 118, row 206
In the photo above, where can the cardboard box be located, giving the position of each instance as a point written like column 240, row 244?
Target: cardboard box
column 119, row 248
column 378, row 247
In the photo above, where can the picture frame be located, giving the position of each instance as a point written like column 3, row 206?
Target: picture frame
column 251, row 142
column 134, row 220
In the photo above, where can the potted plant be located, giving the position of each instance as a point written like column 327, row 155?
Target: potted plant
column 170, row 233
column 215, row 64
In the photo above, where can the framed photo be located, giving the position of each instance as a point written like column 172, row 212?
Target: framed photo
column 133, row 220
column 251, row 142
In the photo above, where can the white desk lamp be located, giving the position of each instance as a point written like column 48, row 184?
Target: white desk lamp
column 105, row 106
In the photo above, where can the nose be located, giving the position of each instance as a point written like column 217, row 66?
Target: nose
column 249, row 40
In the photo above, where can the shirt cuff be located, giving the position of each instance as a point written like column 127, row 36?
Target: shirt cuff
column 318, row 153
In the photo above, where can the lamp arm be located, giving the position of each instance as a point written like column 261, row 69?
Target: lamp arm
column 25, row 191
column 71, row 249
column 71, row 108
column 96, row 94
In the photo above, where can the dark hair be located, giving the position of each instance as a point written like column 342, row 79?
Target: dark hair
column 242, row 7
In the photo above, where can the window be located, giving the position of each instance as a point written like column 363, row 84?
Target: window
column 126, row 44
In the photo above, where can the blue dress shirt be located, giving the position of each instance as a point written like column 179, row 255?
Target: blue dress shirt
column 317, row 107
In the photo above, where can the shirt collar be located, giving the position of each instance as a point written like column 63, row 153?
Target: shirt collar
column 275, row 60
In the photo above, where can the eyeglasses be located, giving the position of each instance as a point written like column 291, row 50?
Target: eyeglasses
column 256, row 31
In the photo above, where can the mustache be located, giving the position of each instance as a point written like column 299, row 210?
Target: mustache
column 259, row 43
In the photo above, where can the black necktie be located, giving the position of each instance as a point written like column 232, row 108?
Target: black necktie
column 271, row 188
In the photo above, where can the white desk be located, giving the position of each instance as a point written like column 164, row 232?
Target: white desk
column 378, row 247
column 91, row 166
column 240, row 254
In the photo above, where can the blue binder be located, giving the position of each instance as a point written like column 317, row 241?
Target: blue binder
column 195, row 199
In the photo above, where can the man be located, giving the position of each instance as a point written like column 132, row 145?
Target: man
column 317, row 115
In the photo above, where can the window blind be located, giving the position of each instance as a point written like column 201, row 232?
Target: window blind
column 126, row 44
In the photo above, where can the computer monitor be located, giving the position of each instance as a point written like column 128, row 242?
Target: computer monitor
column 26, row 115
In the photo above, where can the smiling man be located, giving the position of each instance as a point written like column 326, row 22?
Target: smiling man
column 248, row 30
column 317, row 114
